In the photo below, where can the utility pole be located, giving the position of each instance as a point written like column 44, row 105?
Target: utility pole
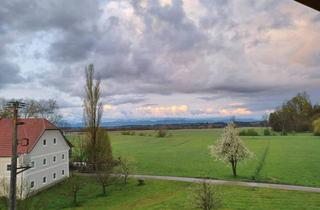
column 15, row 105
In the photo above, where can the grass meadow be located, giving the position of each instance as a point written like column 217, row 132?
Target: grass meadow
column 168, row 195
column 293, row 159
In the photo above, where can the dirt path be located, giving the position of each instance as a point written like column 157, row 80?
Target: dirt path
column 225, row 182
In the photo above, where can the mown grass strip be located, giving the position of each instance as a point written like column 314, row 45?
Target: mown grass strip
column 261, row 162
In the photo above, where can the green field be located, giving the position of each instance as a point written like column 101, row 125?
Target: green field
column 160, row 195
column 290, row 159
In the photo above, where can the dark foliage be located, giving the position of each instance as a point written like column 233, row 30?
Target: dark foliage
column 295, row 115
column 266, row 132
column 162, row 133
column 248, row 132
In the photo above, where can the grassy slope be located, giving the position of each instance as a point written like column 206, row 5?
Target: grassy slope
column 173, row 195
column 291, row 159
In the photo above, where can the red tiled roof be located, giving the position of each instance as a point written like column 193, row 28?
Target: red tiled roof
column 31, row 129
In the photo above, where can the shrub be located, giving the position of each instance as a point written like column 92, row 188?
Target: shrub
column 316, row 127
column 141, row 182
column 125, row 167
column 266, row 132
column 243, row 133
column 205, row 197
column 248, row 132
column 128, row 133
column 125, row 133
column 162, row 133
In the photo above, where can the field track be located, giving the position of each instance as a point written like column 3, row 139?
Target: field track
column 224, row 182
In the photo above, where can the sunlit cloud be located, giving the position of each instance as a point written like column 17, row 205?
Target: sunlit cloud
column 109, row 107
column 209, row 110
column 233, row 104
column 237, row 111
column 162, row 111
column 164, row 3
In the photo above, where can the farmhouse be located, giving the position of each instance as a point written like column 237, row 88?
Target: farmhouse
column 47, row 154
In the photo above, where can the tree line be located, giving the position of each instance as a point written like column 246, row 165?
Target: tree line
column 48, row 109
column 295, row 115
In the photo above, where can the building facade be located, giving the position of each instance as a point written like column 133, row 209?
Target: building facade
column 47, row 154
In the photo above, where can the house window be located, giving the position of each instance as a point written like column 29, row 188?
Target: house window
column 8, row 167
column 54, row 141
column 32, row 164
column 54, row 158
column 32, row 184
column 54, row 175
column 62, row 156
column 44, row 142
column 44, row 161
column 62, row 172
column 44, row 180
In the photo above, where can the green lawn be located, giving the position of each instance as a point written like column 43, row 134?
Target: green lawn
column 168, row 195
column 290, row 159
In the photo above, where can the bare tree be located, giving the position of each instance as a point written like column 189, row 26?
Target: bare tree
column 230, row 148
column 47, row 109
column 93, row 111
column 4, row 112
column 105, row 177
column 265, row 119
column 205, row 197
column 76, row 185
column 125, row 168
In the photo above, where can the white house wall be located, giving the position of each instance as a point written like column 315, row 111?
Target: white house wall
column 5, row 177
column 4, row 161
column 39, row 171
column 48, row 152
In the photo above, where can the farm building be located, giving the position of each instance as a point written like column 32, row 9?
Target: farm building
column 47, row 154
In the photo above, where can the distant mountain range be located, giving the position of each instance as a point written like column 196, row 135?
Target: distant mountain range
column 163, row 121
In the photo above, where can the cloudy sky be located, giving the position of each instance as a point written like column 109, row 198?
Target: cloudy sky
column 161, row 58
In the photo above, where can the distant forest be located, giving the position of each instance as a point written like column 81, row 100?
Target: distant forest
column 295, row 115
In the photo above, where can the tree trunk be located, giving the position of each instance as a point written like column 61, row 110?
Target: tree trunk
column 74, row 198
column 104, row 192
column 234, row 168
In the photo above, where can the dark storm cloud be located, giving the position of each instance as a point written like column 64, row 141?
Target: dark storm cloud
column 33, row 15
column 159, row 49
column 71, row 20
column 125, row 100
column 9, row 73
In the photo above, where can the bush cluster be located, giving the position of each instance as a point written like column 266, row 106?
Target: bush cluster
column 248, row 132
column 267, row 132
column 316, row 127
column 128, row 133
column 162, row 133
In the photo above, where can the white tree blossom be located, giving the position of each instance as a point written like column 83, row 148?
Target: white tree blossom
column 229, row 148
